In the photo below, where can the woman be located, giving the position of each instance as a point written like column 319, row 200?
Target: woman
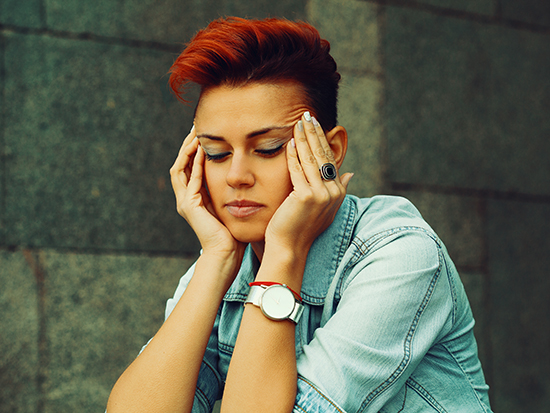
column 351, row 305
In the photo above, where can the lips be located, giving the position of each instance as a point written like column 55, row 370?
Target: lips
column 243, row 208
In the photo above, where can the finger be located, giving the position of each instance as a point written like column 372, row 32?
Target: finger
column 196, row 177
column 184, row 162
column 187, row 142
column 345, row 179
column 316, row 136
column 306, row 157
column 190, row 136
column 295, row 169
column 326, row 150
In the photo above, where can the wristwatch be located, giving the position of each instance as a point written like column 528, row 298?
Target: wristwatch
column 277, row 302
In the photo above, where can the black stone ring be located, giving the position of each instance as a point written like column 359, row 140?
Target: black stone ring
column 328, row 171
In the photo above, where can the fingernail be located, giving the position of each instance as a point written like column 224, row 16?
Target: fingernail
column 192, row 129
column 307, row 116
column 300, row 126
column 315, row 122
column 292, row 143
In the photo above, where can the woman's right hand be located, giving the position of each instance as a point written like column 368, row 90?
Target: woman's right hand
column 194, row 204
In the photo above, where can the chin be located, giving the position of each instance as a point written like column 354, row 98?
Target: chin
column 247, row 236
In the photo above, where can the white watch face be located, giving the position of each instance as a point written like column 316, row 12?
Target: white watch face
column 277, row 302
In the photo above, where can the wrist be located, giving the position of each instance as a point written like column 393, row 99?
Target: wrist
column 222, row 268
column 282, row 266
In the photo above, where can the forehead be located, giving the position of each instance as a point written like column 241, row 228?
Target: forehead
column 253, row 105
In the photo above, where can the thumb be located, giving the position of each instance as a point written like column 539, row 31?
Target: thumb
column 346, row 178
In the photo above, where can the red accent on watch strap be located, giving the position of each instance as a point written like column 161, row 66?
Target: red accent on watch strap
column 269, row 283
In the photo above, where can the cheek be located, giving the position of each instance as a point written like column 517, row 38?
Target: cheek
column 279, row 179
column 214, row 179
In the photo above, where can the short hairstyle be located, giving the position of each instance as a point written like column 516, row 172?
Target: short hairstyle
column 234, row 51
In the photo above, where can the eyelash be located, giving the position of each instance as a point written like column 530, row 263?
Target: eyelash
column 263, row 152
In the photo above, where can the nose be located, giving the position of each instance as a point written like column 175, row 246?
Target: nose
column 240, row 174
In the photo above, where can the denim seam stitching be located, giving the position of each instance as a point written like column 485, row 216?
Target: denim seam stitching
column 201, row 393
column 407, row 345
column 459, row 364
column 202, row 396
column 226, row 348
column 452, row 287
column 364, row 247
column 422, row 392
column 320, row 394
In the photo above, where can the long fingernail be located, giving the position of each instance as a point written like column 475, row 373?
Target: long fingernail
column 307, row 116
column 192, row 129
column 292, row 143
column 315, row 121
column 300, row 126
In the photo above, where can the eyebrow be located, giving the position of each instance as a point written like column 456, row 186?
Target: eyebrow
column 250, row 135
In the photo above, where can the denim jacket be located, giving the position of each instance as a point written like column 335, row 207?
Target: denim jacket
column 387, row 326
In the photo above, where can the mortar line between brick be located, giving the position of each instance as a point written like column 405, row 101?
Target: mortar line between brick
column 471, row 192
column 86, row 36
column 496, row 20
column 34, row 262
column 105, row 251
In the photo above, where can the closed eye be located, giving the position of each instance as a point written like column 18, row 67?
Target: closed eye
column 270, row 152
column 217, row 156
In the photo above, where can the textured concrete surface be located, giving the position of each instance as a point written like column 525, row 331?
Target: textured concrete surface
column 519, row 262
column 527, row 11
column 466, row 103
column 2, row 146
column 457, row 220
column 446, row 102
column 485, row 7
column 352, row 28
column 92, row 134
column 21, row 335
column 78, row 320
column 360, row 114
column 168, row 21
column 28, row 13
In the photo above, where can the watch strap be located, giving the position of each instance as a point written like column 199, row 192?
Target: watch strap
column 255, row 295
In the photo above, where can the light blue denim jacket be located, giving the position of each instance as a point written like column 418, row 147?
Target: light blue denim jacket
column 387, row 326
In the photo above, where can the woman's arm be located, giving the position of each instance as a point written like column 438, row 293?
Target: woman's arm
column 164, row 376
column 262, row 375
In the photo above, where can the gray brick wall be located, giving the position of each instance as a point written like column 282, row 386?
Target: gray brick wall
column 446, row 102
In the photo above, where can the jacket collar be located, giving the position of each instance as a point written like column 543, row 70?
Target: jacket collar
column 322, row 261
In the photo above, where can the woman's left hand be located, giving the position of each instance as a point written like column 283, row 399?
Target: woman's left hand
column 312, row 205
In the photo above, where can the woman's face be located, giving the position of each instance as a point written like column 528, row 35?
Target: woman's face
column 244, row 132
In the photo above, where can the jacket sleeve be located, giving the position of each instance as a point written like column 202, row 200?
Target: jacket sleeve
column 394, row 302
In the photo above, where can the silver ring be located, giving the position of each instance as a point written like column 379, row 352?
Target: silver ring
column 328, row 171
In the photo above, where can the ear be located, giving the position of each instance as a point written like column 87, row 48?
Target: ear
column 338, row 140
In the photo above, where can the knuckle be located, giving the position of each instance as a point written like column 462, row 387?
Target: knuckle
column 296, row 167
column 308, row 126
column 324, row 197
column 320, row 152
column 309, row 159
column 336, row 192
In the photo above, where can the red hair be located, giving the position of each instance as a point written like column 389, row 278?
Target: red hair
column 234, row 51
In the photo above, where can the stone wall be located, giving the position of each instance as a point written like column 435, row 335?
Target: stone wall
column 446, row 103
